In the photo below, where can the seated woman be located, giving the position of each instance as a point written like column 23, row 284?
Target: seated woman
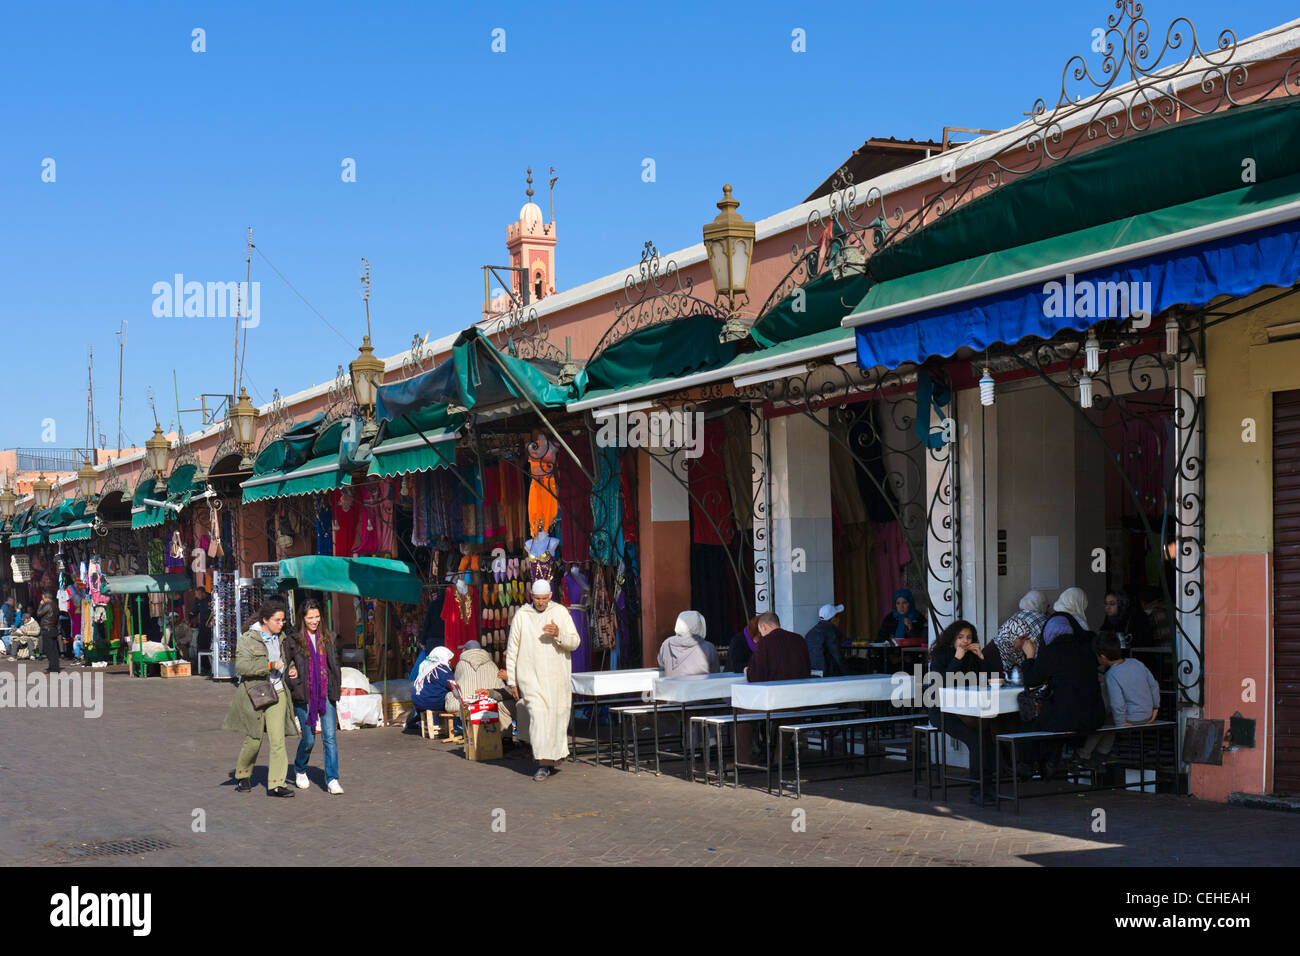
column 741, row 648
column 904, row 626
column 1125, row 620
column 957, row 651
column 1069, row 666
column 686, row 653
column 432, row 683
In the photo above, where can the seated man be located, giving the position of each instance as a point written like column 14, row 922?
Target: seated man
column 1133, row 697
column 478, row 672
column 779, row 655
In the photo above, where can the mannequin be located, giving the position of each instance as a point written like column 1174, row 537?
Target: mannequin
column 540, row 551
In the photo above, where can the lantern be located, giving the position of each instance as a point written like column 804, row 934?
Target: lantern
column 41, row 492
column 156, row 451
column 367, row 373
column 729, row 244
column 243, row 423
column 87, row 480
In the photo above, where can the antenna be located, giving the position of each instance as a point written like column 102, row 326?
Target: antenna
column 365, row 290
column 121, row 350
column 90, row 407
column 239, row 305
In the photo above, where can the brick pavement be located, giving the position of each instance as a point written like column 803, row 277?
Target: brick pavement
column 157, row 755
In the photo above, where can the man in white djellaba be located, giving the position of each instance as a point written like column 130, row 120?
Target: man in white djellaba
column 542, row 637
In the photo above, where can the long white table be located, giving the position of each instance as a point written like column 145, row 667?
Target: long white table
column 593, row 685
column 783, row 695
column 681, row 693
column 982, row 703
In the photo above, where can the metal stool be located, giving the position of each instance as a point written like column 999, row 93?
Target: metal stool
column 925, row 740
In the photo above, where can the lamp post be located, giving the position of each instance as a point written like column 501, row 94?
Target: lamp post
column 41, row 493
column 156, row 451
column 729, row 244
column 367, row 371
column 8, row 502
column 243, row 423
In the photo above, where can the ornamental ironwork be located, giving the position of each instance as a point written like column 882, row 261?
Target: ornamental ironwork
column 277, row 421
column 339, row 399
column 522, row 334
column 657, row 293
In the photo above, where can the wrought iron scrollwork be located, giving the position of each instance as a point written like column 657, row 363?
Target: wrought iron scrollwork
column 339, row 400
column 277, row 419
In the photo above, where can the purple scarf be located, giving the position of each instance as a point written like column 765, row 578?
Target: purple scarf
column 749, row 640
column 317, row 688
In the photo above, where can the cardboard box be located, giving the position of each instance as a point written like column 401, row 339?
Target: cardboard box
column 483, row 741
column 174, row 669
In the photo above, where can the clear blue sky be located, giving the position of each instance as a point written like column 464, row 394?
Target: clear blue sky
column 164, row 156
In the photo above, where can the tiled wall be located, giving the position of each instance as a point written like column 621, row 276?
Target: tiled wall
column 1238, row 645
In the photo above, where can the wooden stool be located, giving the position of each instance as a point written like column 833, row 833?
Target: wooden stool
column 445, row 728
column 429, row 725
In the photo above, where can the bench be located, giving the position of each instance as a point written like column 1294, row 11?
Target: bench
column 719, row 721
column 649, row 710
column 593, row 724
column 849, row 725
column 1014, row 740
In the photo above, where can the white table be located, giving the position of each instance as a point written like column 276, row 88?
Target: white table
column 982, row 703
column 683, row 692
column 779, row 695
column 593, row 685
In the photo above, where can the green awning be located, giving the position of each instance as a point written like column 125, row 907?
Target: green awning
column 1141, row 173
column 378, row 578
column 1035, row 263
column 78, row 532
column 477, row 376
column 816, row 306
column 661, row 351
column 147, row 584
column 410, row 453
column 319, row 474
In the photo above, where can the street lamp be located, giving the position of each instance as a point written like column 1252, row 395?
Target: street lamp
column 243, row 422
column 367, row 371
column 156, row 450
column 41, row 492
column 87, row 480
column 729, row 244
column 8, row 502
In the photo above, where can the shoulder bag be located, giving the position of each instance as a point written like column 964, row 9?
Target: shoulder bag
column 262, row 694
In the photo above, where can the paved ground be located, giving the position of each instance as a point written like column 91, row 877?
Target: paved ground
column 156, row 758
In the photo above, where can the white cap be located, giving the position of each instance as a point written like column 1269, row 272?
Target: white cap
column 828, row 611
column 541, row 586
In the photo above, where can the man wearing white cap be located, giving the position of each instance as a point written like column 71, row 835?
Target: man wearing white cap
column 824, row 641
column 542, row 637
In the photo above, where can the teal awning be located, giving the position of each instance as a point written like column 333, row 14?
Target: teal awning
column 815, row 306
column 319, row 474
column 403, row 451
column 147, row 584
column 477, row 376
column 660, row 351
column 378, row 578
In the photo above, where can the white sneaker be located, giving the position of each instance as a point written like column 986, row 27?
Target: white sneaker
column 334, row 787
column 302, row 781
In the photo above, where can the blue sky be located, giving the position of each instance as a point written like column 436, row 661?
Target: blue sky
column 163, row 156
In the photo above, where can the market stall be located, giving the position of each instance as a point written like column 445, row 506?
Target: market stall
column 153, row 588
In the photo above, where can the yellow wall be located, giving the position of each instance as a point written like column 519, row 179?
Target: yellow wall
column 1243, row 371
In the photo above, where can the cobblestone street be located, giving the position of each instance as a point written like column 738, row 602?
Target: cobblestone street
column 157, row 756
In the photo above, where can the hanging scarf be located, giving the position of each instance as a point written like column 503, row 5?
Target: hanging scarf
column 317, row 688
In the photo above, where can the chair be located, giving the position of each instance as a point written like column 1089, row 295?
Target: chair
column 199, row 665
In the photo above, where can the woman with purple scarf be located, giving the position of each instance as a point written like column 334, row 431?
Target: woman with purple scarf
column 315, row 683
column 741, row 648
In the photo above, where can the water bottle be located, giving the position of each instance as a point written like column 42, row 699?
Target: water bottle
column 1015, row 675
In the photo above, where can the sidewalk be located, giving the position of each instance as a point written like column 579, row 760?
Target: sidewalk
column 156, row 765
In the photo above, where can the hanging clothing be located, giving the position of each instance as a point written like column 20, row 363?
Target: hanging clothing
column 434, row 632
column 493, row 516
column 541, row 667
column 711, row 518
column 627, row 491
column 383, row 496
column 460, row 614
column 889, row 555
column 346, row 511
column 577, row 596
column 324, row 526
column 575, row 503
column 606, row 508
column 738, row 465
column 543, row 503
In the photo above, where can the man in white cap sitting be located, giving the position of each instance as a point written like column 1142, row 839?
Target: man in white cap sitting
column 542, row 637
column 824, row 641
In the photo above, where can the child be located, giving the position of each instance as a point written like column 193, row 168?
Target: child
column 1133, row 694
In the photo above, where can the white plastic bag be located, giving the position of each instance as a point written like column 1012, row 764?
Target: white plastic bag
column 360, row 710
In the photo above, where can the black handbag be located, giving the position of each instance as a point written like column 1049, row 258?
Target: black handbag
column 1033, row 701
column 262, row 694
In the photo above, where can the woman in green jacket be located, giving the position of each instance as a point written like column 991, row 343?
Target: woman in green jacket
column 259, row 656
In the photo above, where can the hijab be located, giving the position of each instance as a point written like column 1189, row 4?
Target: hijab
column 438, row 657
column 900, row 620
column 1035, row 601
column 1074, row 603
column 691, row 624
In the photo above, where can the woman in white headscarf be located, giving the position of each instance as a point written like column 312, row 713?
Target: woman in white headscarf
column 686, row 652
column 1025, row 625
column 433, row 680
column 1069, row 615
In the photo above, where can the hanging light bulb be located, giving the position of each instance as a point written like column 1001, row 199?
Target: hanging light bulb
column 1085, row 391
column 986, row 388
column 1171, row 336
column 1092, row 353
column 1198, row 381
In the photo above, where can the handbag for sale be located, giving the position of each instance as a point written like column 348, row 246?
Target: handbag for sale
column 263, row 694
column 1033, row 701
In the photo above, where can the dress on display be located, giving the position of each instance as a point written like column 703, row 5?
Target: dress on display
column 460, row 615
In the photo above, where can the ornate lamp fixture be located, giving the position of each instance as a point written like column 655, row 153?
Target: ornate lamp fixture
column 41, row 492
column 243, row 423
column 87, row 480
column 156, row 451
column 729, row 244
column 8, row 502
column 367, row 369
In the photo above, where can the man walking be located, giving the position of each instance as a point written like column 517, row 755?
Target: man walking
column 538, row 669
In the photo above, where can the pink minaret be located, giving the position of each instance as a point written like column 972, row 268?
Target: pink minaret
column 531, row 244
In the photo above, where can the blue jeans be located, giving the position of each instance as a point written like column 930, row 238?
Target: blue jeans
column 328, row 731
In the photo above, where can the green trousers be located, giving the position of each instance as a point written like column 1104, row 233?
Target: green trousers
column 278, row 769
